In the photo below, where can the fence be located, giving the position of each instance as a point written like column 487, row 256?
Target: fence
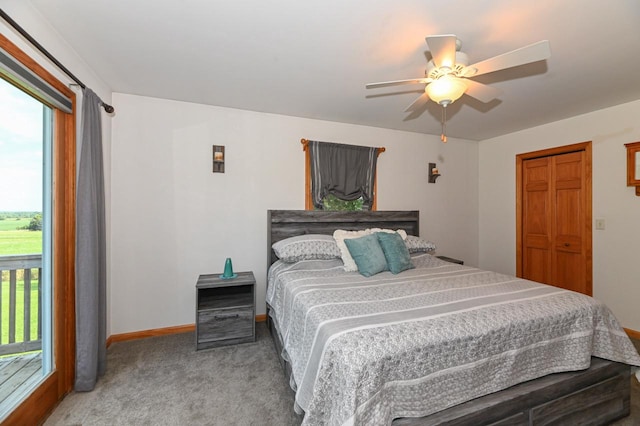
column 16, row 311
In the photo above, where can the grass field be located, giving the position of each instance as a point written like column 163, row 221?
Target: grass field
column 11, row 224
column 18, row 241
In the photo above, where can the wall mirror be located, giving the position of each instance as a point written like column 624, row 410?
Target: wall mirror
column 633, row 165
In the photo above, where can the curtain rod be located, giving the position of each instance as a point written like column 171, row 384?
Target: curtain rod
column 108, row 108
column 305, row 144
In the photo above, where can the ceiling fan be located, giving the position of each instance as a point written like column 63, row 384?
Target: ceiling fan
column 448, row 75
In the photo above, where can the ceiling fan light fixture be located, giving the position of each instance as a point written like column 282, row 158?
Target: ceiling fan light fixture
column 446, row 90
column 448, row 72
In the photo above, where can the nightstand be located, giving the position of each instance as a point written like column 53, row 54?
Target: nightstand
column 225, row 310
column 450, row 259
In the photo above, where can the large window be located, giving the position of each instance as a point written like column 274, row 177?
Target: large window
column 25, row 243
column 40, row 181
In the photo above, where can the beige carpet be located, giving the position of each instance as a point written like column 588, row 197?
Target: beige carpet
column 164, row 381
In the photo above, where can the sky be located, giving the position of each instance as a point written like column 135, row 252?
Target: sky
column 20, row 150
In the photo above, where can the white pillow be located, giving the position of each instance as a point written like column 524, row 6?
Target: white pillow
column 307, row 247
column 340, row 235
column 417, row 245
column 402, row 232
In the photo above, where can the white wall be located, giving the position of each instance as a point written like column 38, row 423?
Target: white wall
column 616, row 265
column 173, row 219
column 32, row 21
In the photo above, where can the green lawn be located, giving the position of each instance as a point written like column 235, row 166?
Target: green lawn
column 11, row 224
column 20, row 242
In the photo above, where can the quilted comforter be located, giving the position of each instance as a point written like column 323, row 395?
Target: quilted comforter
column 368, row 350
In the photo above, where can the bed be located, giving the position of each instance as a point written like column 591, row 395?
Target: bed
column 515, row 356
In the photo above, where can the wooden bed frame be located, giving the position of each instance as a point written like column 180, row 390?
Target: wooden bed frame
column 596, row 396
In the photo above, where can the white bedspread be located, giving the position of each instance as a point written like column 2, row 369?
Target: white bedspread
column 368, row 350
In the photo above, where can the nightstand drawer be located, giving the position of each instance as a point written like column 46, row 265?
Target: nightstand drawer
column 224, row 324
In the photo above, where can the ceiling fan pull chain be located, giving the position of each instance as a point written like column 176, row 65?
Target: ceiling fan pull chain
column 443, row 136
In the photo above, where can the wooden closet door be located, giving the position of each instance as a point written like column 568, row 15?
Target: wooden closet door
column 537, row 219
column 568, row 263
column 554, row 218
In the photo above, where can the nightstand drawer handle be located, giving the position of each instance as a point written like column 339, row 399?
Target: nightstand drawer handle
column 228, row 316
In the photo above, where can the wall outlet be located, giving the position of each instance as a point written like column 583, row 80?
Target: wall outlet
column 600, row 224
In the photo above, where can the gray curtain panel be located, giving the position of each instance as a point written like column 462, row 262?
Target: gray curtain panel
column 91, row 274
column 346, row 171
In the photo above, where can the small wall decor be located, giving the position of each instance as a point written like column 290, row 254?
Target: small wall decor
column 633, row 165
column 218, row 159
column 433, row 173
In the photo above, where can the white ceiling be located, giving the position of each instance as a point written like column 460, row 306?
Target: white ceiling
column 313, row 58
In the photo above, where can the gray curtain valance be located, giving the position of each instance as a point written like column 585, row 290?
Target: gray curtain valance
column 346, row 171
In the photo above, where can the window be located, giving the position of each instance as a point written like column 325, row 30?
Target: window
column 58, row 222
column 340, row 177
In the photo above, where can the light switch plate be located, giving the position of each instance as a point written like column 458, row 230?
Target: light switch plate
column 600, row 224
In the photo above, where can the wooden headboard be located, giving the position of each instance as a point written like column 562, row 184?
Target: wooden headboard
column 283, row 224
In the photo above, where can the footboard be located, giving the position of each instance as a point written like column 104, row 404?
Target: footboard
column 596, row 396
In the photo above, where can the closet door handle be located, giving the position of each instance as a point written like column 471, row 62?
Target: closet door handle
column 567, row 244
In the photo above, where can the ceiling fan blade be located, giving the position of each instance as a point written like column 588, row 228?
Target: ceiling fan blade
column 527, row 54
column 443, row 50
column 397, row 82
column 480, row 91
column 423, row 99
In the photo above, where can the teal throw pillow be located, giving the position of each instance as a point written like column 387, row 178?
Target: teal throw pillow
column 395, row 252
column 367, row 254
